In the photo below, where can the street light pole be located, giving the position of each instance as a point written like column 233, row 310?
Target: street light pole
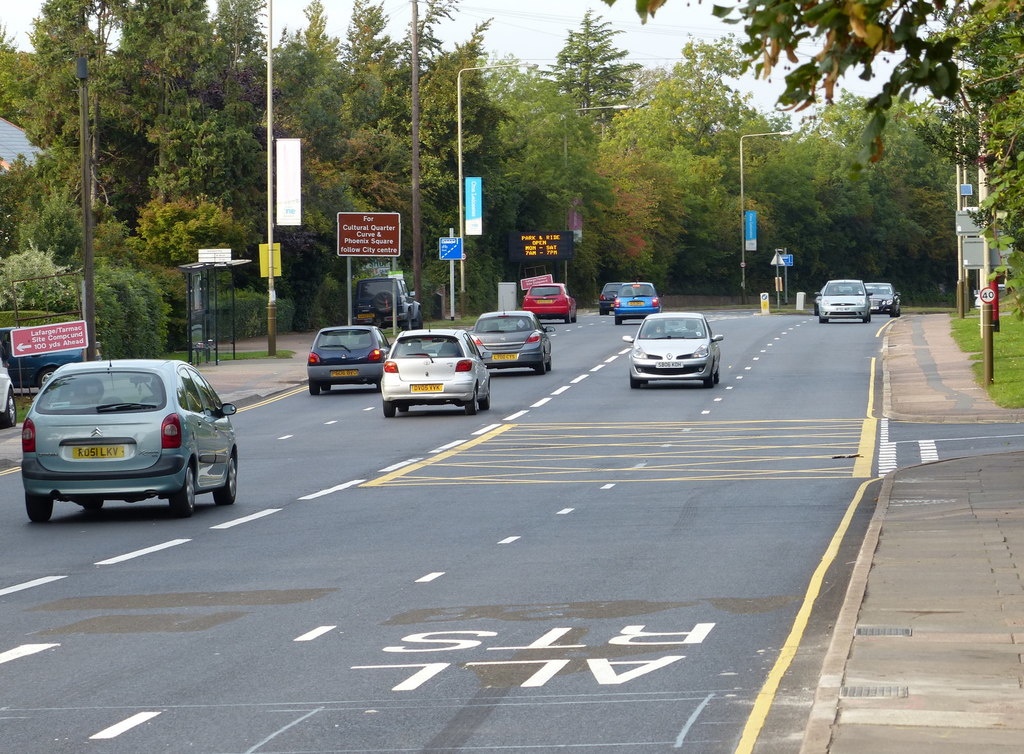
column 743, row 216
column 271, row 293
column 458, row 116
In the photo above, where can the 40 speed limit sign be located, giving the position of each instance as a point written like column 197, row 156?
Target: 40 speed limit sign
column 987, row 294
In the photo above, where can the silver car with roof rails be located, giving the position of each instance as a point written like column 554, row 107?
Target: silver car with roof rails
column 127, row 430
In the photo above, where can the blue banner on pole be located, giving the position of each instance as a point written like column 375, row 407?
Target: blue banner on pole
column 750, row 230
column 474, row 206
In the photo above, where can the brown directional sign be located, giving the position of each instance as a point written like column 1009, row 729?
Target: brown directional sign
column 369, row 234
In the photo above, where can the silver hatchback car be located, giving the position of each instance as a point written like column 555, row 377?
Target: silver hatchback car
column 435, row 368
column 844, row 299
column 674, row 346
column 127, row 430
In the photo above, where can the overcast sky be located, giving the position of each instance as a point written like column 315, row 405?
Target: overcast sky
column 531, row 30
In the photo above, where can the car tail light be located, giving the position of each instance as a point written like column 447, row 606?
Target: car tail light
column 170, row 432
column 617, row 301
column 376, row 355
column 477, row 341
column 464, row 365
column 314, row 358
column 28, row 437
column 654, row 301
column 533, row 338
column 391, row 367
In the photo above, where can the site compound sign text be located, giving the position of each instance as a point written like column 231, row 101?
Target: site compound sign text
column 369, row 234
column 60, row 336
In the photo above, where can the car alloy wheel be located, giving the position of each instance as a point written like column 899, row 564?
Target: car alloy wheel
column 183, row 502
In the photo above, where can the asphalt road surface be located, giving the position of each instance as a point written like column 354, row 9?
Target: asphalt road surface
column 584, row 567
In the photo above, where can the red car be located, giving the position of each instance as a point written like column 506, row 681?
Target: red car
column 550, row 301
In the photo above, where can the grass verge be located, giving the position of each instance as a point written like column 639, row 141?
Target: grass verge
column 1007, row 388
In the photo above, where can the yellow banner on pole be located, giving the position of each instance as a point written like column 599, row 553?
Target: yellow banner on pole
column 265, row 261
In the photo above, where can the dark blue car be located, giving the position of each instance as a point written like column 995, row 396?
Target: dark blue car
column 33, row 371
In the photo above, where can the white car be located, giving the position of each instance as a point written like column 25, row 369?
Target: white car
column 9, row 416
column 844, row 299
column 435, row 368
column 674, row 346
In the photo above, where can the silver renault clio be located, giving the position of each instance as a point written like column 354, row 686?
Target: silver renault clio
column 127, row 430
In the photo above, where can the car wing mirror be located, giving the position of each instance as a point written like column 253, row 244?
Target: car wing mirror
column 548, row 328
column 628, row 338
column 227, row 409
column 717, row 338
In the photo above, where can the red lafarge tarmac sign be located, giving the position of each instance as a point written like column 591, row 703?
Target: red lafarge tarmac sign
column 61, row 336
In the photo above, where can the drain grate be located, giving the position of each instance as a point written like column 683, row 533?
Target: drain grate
column 874, row 692
column 883, row 631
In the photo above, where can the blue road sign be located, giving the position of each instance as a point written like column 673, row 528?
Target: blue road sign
column 450, row 248
column 787, row 260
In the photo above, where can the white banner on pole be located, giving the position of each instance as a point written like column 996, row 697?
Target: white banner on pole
column 289, row 182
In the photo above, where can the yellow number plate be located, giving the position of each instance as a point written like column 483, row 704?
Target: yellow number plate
column 427, row 388
column 545, row 301
column 364, row 316
column 505, row 356
column 344, row 372
column 636, row 303
column 98, row 451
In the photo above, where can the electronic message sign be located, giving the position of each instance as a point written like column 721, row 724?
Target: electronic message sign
column 537, row 247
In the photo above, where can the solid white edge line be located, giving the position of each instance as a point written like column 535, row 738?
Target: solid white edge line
column 24, row 651
column 429, row 577
column 315, row 633
column 30, row 584
column 329, row 490
column 116, row 730
column 144, row 551
column 246, row 519
column 486, row 429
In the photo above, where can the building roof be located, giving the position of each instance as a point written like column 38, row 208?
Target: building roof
column 13, row 142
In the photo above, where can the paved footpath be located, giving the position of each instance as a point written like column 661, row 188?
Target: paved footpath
column 926, row 654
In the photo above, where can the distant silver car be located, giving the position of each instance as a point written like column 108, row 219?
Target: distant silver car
column 435, row 368
column 674, row 346
column 514, row 340
column 844, row 299
column 127, row 430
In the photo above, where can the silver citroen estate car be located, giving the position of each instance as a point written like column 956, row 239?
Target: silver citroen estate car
column 127, row 430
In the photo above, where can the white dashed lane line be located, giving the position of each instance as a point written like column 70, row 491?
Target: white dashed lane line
column 329, row 490
column 30, row 584
column 429, row 577
column 125, row 725
column 24, row 651
column 316, row 633
column 246, row 519
column 144, row 551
